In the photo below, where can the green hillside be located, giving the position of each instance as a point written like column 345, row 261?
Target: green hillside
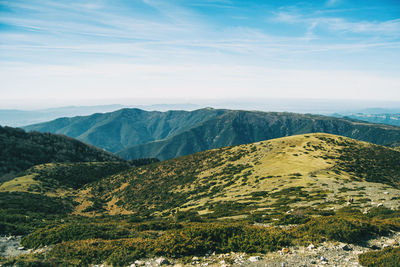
column 124, row 128
column 242, row 127
column 20, row 150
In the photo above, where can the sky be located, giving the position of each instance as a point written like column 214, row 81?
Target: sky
column 131, row 51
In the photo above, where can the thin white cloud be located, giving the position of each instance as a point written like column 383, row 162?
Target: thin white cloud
column 331, row 3
column 389, row 28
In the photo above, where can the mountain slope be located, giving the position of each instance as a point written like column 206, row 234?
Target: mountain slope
column 317, row 170
column 276, row 195
column 126, row 127
column 241, row 127
column 20, row 150
column 134, row 133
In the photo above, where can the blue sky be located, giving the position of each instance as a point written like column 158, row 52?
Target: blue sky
column 87, row 52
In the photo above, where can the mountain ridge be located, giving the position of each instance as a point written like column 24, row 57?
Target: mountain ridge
column 135, row 133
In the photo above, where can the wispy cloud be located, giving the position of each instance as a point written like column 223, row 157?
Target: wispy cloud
column 193, row 42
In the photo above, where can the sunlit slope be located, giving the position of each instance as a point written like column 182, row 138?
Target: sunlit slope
column 313, row 170
column 59, row 179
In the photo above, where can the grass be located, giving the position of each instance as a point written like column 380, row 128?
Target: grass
column 20, row 184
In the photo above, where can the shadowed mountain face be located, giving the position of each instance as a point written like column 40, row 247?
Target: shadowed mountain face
column 134, row 133
column 20, row 150
column 126, row 127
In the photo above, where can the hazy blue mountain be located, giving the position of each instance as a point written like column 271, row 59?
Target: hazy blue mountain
column 391, row 119
column 17, row 118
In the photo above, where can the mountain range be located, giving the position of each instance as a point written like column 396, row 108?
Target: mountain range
column 384, row 118
column 135, row 133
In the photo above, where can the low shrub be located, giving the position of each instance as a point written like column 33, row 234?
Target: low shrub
column 337, row 228
column 388, row 257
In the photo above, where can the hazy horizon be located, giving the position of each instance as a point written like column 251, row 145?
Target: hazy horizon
column 301, row 105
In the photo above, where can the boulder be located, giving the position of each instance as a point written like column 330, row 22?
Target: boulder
column 254, row 258
column 162, row 261
column 311, row 247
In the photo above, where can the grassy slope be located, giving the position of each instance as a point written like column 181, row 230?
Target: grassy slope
column 320, row 170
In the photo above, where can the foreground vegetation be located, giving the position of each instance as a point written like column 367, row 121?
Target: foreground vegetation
column 253, row 198
column 120, row 240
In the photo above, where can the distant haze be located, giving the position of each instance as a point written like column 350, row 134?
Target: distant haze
column 19, row 114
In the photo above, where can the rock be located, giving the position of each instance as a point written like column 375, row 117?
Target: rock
column 195, row 258
column 20, row 248
column 345, row 247
column 380, row 205
column 391, row 242
column 139, row 263
column 254, row 258
column 386, row 193
column 285, row 250
column 375, row 247
column 311, row 247
column 323, row 258
column 162, row 261
column 132, row 265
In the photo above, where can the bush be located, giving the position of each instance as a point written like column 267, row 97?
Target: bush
column 388, row 257
column 73, row 231
column 336, row 228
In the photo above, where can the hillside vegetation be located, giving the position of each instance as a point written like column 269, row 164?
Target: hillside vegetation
column 20, row 150
column 134, row 133
column 317, row 170
column 251, row 198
